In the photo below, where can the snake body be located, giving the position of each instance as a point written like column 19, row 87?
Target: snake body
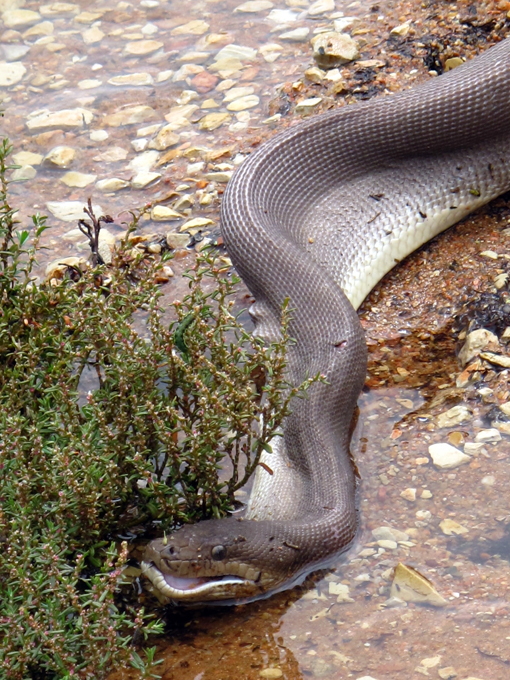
column 318, row 215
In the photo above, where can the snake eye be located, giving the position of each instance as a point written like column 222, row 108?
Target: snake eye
column 219, row 552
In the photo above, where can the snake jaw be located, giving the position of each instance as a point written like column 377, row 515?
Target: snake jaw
column 199, row 589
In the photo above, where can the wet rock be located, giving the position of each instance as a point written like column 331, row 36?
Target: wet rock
column 141, row 48
column 70, row 211
column 389, row 534
column 450, row 527
column 67, row 119
column 11, row 73
column 92, row 36
column 454, row 416
column 253, row 6
column 296, row 35
column 474, row 449
column 243, row 103
column 308, row 105
column 212, row 121
column 447, row 457
column 447, row 673
column 476, row 341
column 60, row 156
column 133, row 79
column 341, row 590
column 23, row 174
column 89, row 83
column 177, row 241
column 321, row 7
column 195, row 27
column 144, row 178
column 160, row 213
column 111, row 184
column 236, row 52
column 112, row 154
column 401, row 30
column 237, row 93
column 315, row 74
column 344, row 22
column 270, row 673
column 496, row 359
column 411, row 586
column 144, row 161
column 488, row 436
column 58, row 268
column 165, row 138
column 106, row 245
column 204, row 82
column 489, row 254
column 333, row 49
column 131, row 115
column 27, row 158
column 196, row 224
column 19, row 18
column 77, row 179
column 488, row 480
column 14, row 52
column 409, row 495
column 59, row 9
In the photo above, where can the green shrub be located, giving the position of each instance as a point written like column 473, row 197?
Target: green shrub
column 140, row 451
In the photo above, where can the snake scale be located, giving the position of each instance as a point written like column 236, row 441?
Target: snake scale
column 318, row 215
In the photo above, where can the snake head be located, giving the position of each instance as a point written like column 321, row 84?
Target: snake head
column 221, row 561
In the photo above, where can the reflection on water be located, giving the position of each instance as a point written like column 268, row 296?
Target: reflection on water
column 157, row 102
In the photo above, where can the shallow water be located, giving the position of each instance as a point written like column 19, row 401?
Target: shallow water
column 73, row 56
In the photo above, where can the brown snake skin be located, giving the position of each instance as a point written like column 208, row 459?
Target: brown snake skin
column 332, row 204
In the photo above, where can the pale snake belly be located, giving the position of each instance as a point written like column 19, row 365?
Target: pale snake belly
column 319, row 215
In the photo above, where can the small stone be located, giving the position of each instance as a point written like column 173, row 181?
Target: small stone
column 212, row 121
column 111, row 184
column 426, row 494
column 67, row 119
column 92, row 35
column 321, row 7
column 131, row 115
column 98, row 135
column 177, row 241
column 474, row 449
column 133, row 79
column 204, row 82
column 401, row 30
column 58, row 268
column 243, row 103
column 88, row 17
column 89, row 83
column 18, row 18
column 11, row 73
column 410, row 586
column 476, row 341
column 196, row 224
column 254, row 6
column 389, row 534
column 60, row 156
column 344, row 22
column 489, row 254
column 77, row 179
column 236, row 52
column 447, row 457
column 333, row 49
column 409, row 495
column 497, row 359
column 501, row 280
column 237, row 93
column 488, row 436
column 449, row 527
column 447, row 673
column 296, row 35
column 23, row 174
column 270, row 673
column 163, row 76
column 144, row 161
column 308, row 105
column 144, row 178
column 70, row 211
column 112, row 154
column 341, row 590
column 164, row 139
column 58, row 9
column 387, row 545
column 27, row 158
column 160, row 213
column 142, row 47
column 195, row 27
column 223, row 176
column 315, row 74
column 454, row 416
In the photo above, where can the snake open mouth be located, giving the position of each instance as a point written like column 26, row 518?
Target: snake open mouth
column 188, row 588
